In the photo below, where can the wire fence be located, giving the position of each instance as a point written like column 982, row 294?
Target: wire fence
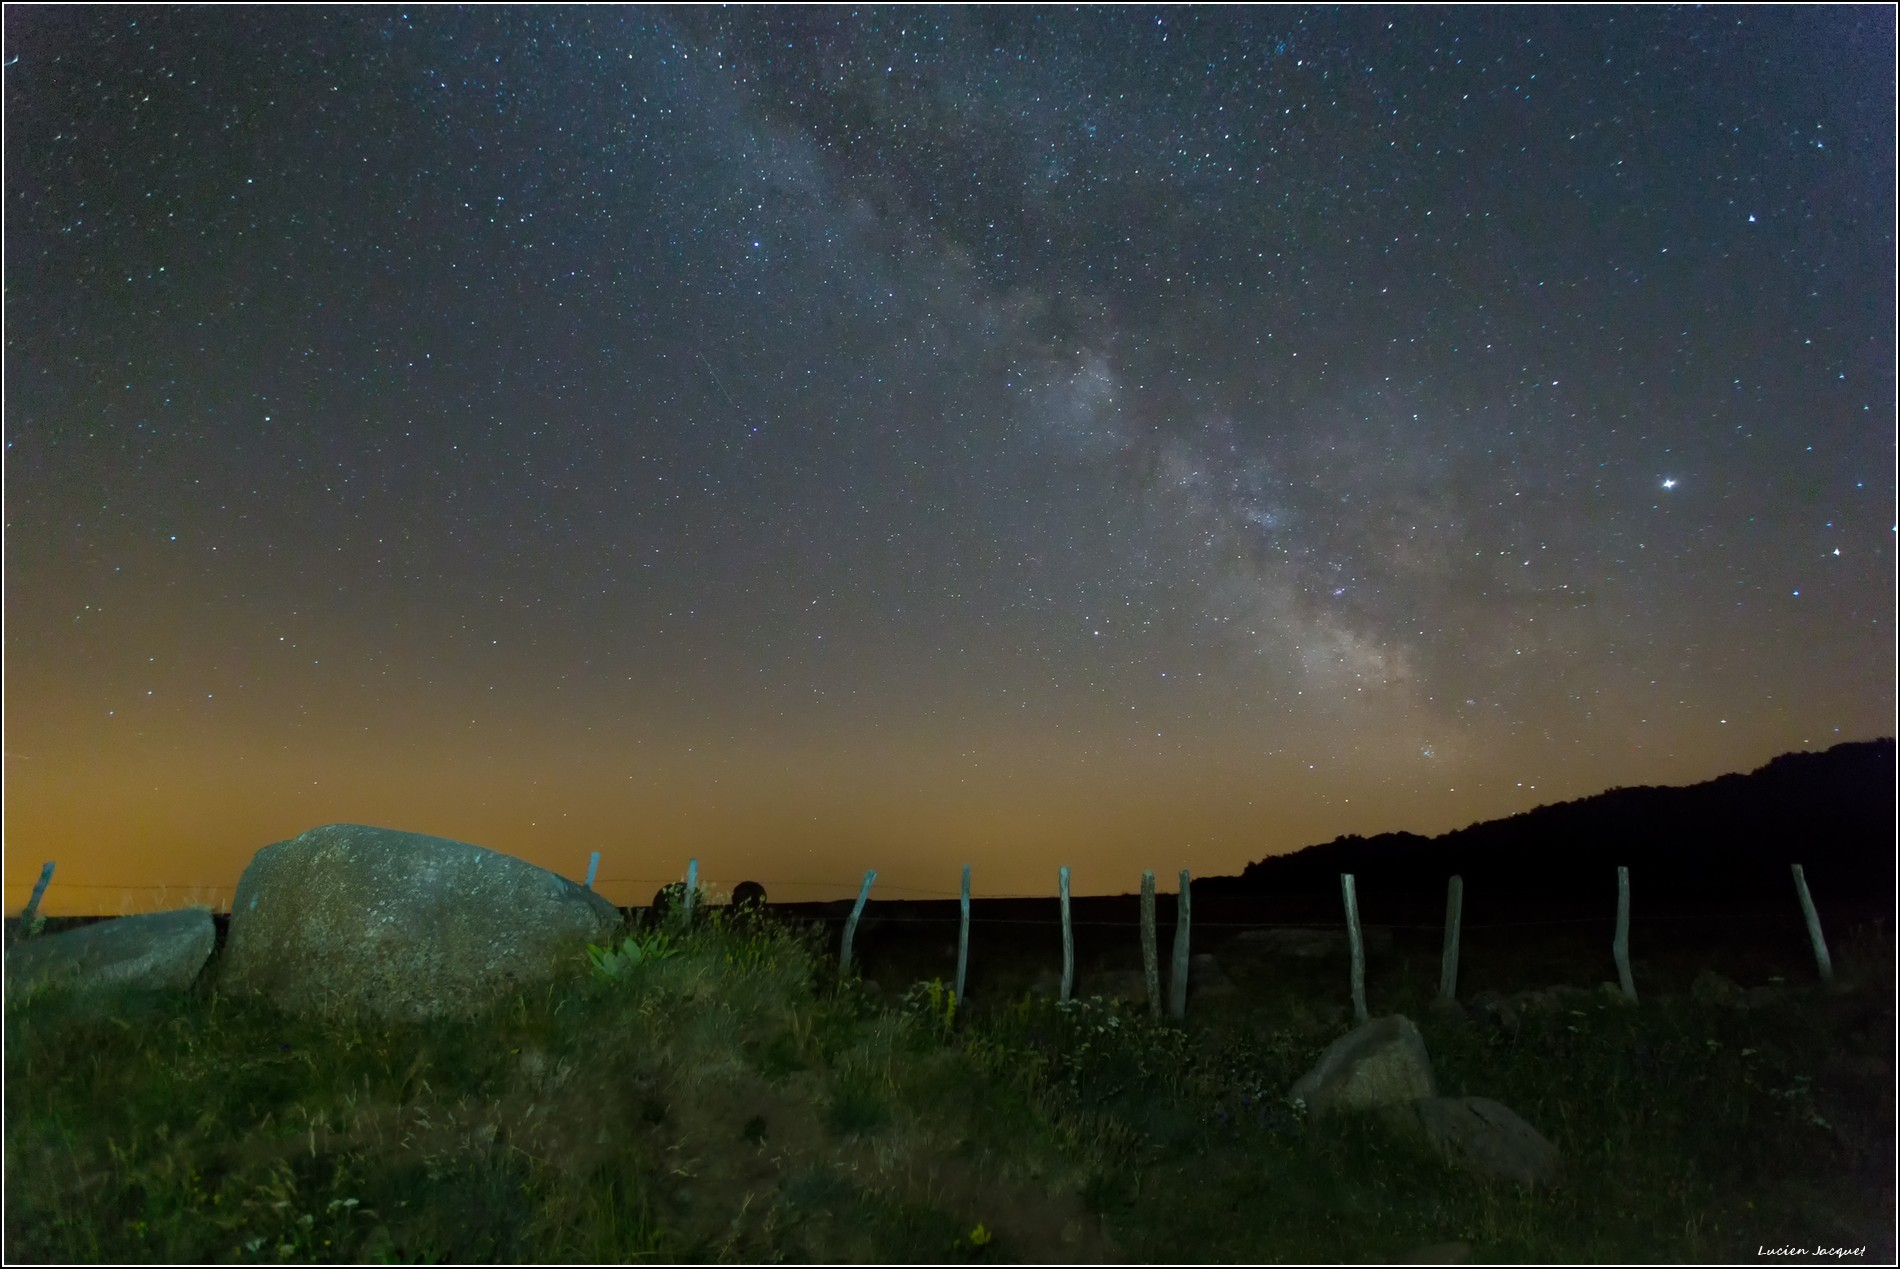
column 219, row 898
column 1453, row 926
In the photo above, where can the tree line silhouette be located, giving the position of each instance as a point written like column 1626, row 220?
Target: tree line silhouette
column 1730, row 838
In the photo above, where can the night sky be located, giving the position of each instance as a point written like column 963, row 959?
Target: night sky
column 819, row 440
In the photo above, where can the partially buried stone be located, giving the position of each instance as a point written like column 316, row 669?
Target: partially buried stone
column 1483, row 1137
column 155, row 951
column 1382, row 1062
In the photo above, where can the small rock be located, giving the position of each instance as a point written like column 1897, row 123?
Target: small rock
column 1205, row 978
column 1380, row 1063
column 1130, row 985
column 1764, row 996
column 1491, row 1009
column 1710, row 988
column 1484, row 1137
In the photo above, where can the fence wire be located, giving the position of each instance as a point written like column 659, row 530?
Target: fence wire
column 1650, row 916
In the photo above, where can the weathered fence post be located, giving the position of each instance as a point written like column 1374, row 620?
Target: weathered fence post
column 1183, row 910
column 39, row 892
column 32, row 908
column 1822, row 961
column 1150, row 959
column 593, row 864
column 692, row 887
column 851, row 924
column 1068, row 937
column 1621, row 947
column 1454, row 918
column 963, row 936
column 1359, row 1013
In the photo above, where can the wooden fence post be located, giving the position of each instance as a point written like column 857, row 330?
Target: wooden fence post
column 1150, row 959
column 692, row 887
column 851, row 924
column 1183, row 911
column 1359, row 1013
column 1454, row 919
column 1621, row 947
column 963, row 936
column 1822, row 961
column 593, row 863
column 33, row 904
column 1068, row 938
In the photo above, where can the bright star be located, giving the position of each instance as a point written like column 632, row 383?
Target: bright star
column 1669, row 482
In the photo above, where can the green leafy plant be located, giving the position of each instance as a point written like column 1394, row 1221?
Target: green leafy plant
column 636, row 949
column 974, row 1244
column 934, row 1004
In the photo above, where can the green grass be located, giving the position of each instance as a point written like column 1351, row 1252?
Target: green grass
column 724, row 1101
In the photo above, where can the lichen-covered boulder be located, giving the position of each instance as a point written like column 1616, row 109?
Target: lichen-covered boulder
column 348, row 917
column 154, row 951
column 1378, row 1064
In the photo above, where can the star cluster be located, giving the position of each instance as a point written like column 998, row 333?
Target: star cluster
column 813, row 440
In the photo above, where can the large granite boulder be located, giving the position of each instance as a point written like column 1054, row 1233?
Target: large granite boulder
column 1381, row 1063
column 156, row 951
column 1483, row 1137
column 350, row 917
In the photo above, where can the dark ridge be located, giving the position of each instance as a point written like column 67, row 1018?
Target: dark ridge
column 1832, row 812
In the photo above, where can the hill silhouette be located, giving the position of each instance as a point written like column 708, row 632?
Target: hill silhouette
column 1832, row 812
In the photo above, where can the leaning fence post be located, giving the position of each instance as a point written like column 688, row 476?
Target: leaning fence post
column 851, row 924
column 1183, row 910
column 963, row 936
column 1150, row 959
column 1454, row 918
column 1822, row 961
column 1359, row 1013
column 593, row 863
column 692, row 887
column 1068, row 937
column 1621, row 947
column 33, row 904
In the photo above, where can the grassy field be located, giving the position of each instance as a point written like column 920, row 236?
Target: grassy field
column 713, row 1095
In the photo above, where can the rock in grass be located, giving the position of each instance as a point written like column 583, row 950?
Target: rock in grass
column 1206, row 978
column 1129, row 985
column 1483, row 1137
column 350, row 917
column 1710, row 988
column 1377, row 1064
column 155, row 951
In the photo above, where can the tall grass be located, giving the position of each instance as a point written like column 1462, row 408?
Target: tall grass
column 718, row 1098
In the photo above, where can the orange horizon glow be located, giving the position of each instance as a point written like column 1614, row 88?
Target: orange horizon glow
column 171, row 831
